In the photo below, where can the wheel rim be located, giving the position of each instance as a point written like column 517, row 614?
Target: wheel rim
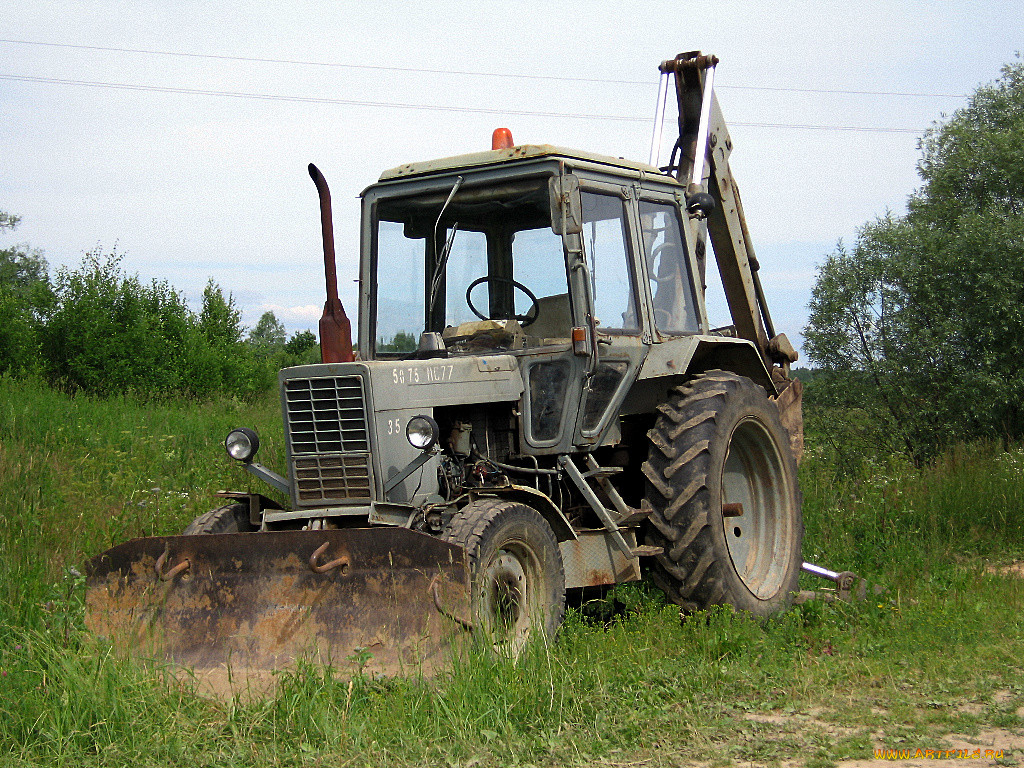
column 760, row 540
column 507, row 595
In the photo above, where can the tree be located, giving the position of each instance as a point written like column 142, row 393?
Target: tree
column 300, row 343
column 921, row 323
column 23, row 270
column 219, row 319
column 25, row 298
column 402, row 341
column 269, row 334
column 8, row 220
column 110, row 332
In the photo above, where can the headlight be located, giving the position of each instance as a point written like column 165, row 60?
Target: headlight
column 422, row 432
column 242, row 444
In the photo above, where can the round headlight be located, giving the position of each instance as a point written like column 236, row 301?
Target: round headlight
column 422, row 432
column 242, row 444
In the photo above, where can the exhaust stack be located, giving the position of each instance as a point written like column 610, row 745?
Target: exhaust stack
column 335, row 329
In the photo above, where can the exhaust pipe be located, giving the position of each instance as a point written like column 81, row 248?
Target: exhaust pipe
column 335, row 329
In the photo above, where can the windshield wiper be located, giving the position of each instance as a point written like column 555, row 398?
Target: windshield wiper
column 442, row 257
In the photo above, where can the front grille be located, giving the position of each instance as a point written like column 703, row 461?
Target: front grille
column 332, row 478
column 329, row 440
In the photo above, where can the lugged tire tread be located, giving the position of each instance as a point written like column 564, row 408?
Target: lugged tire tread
column 700, row 418
column 700, row 521
column 682, row 499
column 677, row 469
column 691, row 453
column 219, row 520
column 653, row 477
column 467, row 527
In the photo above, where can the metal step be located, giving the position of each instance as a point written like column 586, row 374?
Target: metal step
column 648, row 551
column 598, row 472
column 625, row 514
column 606, row 516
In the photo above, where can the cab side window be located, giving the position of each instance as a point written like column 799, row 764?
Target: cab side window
column 606, row 245
column 675, row 306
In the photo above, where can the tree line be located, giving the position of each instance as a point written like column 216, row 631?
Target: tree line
column 100, row 330
column 918, row 326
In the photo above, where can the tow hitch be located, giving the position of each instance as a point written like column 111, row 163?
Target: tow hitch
column 848, row 586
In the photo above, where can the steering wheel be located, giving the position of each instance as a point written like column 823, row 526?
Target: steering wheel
column 524, row 320
column 657, row 257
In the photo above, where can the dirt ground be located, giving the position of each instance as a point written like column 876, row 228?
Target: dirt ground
column 991, row 746
column 986, row 747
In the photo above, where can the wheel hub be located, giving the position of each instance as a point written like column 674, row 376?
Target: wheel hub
column 753, row 482
column 505, row 596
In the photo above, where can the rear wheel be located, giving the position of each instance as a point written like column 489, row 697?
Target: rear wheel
column 724, row 499
column 517, row 581
column 233, row 518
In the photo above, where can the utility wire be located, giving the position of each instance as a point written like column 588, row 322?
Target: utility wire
column 425, row 107
column 469, row 73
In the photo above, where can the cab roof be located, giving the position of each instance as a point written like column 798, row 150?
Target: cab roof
column 513, row 154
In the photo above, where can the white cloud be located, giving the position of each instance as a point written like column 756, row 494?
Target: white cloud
column 308, row 313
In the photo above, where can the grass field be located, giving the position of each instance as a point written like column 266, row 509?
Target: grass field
column 936, row 662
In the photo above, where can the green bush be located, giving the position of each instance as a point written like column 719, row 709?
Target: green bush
column 109, row 333
column 18, row 346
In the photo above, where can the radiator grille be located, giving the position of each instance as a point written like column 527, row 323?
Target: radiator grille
column 328, row 436
column 326, row 415
column 332, row 477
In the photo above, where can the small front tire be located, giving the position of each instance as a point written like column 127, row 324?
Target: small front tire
column 233, row 518
column 517, row 578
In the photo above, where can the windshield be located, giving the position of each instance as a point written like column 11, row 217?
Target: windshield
column 490, row 275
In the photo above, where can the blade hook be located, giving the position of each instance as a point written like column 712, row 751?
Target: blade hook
column 167, row 576
column 341, row 562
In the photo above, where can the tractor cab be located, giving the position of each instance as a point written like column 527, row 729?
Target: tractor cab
column 571, row 262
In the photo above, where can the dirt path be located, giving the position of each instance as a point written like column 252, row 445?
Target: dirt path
column 988, row 746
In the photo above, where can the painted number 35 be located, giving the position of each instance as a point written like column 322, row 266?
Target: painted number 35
column 394, row 426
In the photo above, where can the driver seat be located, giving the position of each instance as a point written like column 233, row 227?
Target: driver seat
column 554, row 318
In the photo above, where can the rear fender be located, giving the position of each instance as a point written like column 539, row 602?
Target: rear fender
column 790, row 402
column 740, row 358
column 674, row 362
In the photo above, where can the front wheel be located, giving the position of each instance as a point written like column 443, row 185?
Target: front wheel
column 233, row 518
column 724, row 499
column 517, row 581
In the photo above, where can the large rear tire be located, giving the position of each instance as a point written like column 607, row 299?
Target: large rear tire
column 517, row 579
column 724, row 499
column 233, row 518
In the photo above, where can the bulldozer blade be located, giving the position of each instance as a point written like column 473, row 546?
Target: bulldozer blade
column 387, row 599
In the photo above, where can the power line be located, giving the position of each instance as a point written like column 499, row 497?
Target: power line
column 424, row 107
column 466, row 73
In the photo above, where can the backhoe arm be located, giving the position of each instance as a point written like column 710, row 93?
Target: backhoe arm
column 724, row 217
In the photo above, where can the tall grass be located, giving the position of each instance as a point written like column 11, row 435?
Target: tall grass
column 889, row 517
column 78, row 474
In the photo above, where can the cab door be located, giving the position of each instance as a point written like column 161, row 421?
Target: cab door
column 616, row 315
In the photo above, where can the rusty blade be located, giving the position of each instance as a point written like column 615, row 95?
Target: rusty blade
column 255, row 601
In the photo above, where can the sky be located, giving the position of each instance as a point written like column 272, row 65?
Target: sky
column 178, row 133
